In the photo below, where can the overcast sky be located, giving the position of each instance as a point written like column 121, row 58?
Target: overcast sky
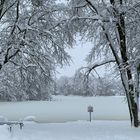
column 78, row 54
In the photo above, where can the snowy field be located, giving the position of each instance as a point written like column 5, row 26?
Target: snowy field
column 79, row 130
column 64, row 109
column 66, row 118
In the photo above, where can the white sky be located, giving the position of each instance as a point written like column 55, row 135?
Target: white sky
column 78, row 54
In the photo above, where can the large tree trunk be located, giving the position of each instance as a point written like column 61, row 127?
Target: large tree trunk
column 130, row 92
column 125, row 70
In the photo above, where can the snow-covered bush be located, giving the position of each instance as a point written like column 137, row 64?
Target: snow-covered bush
column 30, row 118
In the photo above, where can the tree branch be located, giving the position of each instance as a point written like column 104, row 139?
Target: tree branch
column 97, row 65
column 100, row 64
column 80, row 6
column 1, row 6
column 6, row 56
column 17, row 16
column 91, row 5
column 2, row 14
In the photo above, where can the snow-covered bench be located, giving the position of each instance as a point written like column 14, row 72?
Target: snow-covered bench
column 12, row 123
column 4, row 121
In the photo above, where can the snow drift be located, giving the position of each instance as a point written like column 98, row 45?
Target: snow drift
column 63, row 109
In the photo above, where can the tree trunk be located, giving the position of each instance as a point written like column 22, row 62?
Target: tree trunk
column 125, row 71
column 130, row 89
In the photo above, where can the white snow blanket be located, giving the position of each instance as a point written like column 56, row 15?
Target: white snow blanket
column 79, row 130
column 63, row 109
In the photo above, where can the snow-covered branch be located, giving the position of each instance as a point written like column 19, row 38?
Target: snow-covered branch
column 98, row 64
column 80, row 5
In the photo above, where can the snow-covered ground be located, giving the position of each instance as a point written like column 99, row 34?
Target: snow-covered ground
column 79, row 130
column 64, row 109
column 66, row 118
